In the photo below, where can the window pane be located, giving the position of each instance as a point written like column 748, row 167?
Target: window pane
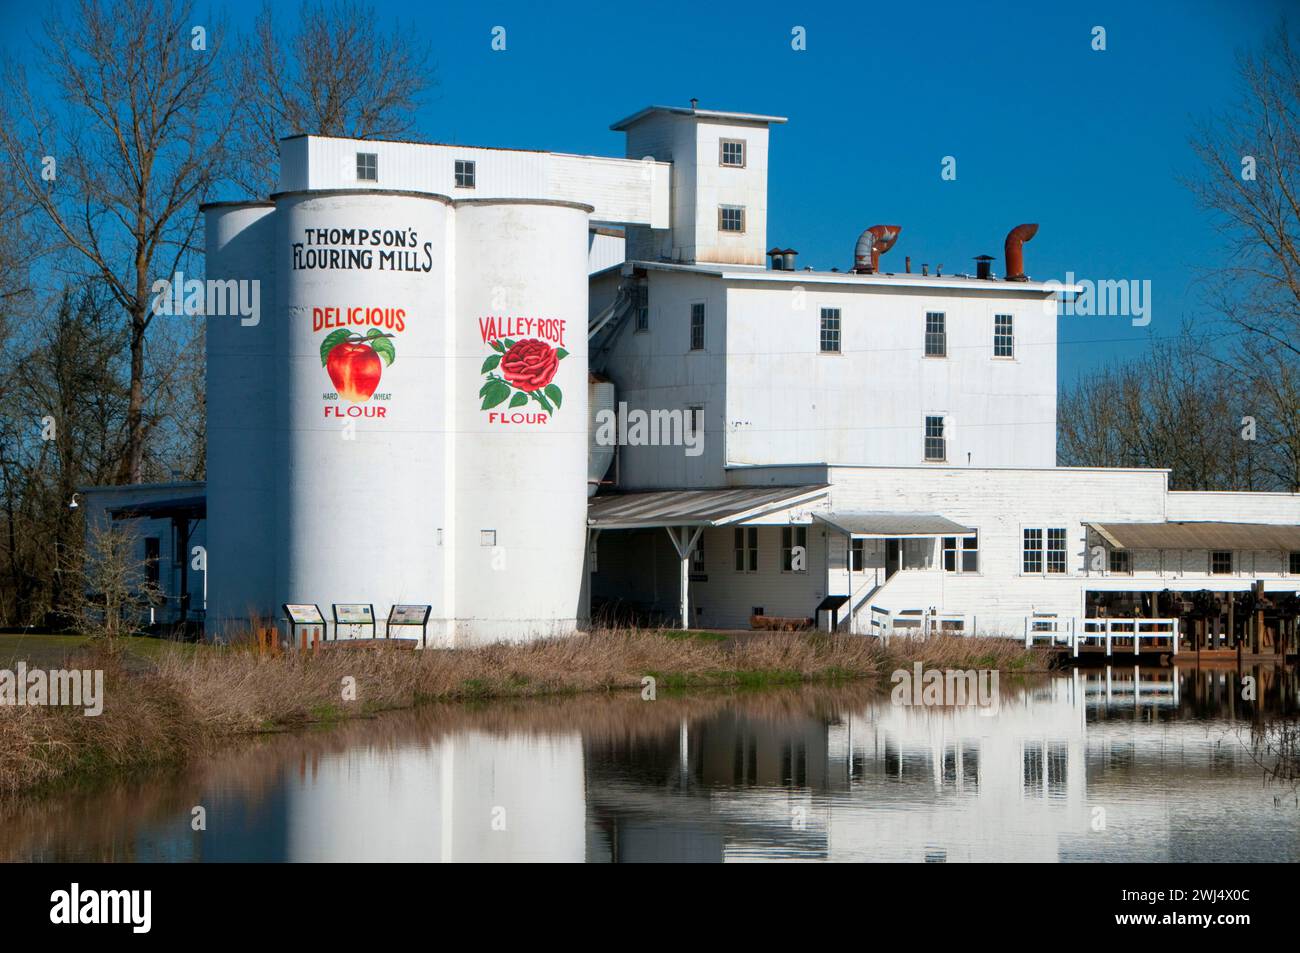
column 1003, row 336
column 934, row 442
column 936, row 338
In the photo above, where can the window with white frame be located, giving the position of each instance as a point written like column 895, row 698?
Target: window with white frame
column 732, row 153
column 794, row 549
column 697, row 326
column 465, row 173
column 697, row 555
column 1056, row 550
column 935, row 448
column 1121, row 562
column 1004, row 335
column 1294, row 564
column 857, row 555
column 936, row 334
column 367, row 167
column 643, row 307
column 731, row 218
column 694, row 419
column 1221, row 562
column 747, row 549
column 961, row 553
column 830, row 336
column 1032, row 550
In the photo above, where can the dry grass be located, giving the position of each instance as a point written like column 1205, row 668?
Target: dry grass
column 187, row 703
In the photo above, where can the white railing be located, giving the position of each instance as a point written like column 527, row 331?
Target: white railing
column 921, row 623
column 1156, row 633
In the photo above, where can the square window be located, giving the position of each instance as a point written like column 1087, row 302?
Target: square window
column 694, row 420
column 643, row 307
column 367, row 167
column 1295, row 564
column 732, row 153
column 1121, row 562
column 747, row 550
column 731, row 218
column 857, row 555
column 961, row 553
column 1056, row 550
column 935, row 449
column 1004, row 338
column 487, row 537
column 465, row 174
column 936, row 334
column 794, row 549
column 1221, row 562
column 697, row 326
column 1032, row 561
column 830, row 333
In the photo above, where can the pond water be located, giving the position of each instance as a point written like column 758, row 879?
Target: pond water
column 1102, row 765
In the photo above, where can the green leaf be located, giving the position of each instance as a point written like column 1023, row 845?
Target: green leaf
column 332, row 340
column 491, row 363
column 537, row 396
column 518, row 400
column 498, row 346
column 495, row 393
column 484, row 389
column 556, row 396
column 561, row 353
column 384, row 348
column 508, row 343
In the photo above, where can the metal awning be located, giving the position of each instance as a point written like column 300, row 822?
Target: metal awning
column 187, row 507
column 1200, row 535
column 720, row 507
column 894, row 525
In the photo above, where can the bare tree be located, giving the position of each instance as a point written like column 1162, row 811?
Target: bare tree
column 335, row 75
column 1250, row 183
column 120, row 169
column 113, row 587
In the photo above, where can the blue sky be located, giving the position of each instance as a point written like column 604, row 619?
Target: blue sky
column 1044, row 129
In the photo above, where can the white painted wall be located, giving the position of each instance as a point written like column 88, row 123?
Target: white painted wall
column 621, row 190
column 789, row 402
column 700, row 184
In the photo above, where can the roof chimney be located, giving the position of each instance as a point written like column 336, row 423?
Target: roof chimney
column 787, row 258
column 777, row 256
column 695, row 103
column 872, row 243
column 907, row 264
column 984, row 266
column 1015, row 251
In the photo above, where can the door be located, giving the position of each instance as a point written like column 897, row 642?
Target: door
column 893, row 552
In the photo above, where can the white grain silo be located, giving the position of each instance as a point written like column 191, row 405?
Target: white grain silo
column 362, row 318
column 241, row 389
column 519, row 530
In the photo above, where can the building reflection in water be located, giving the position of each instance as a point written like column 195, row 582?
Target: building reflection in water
column 1105, row 764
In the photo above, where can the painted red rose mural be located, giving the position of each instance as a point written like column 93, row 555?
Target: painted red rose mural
column 356, row 362
column 520, row 371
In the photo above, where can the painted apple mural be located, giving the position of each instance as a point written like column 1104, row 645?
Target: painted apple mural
column 355, row 363
column 520, row 371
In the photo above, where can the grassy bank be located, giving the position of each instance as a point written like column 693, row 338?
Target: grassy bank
column 169, row 704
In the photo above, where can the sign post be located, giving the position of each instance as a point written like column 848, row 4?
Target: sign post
column 417, row 616
column 307, row 618
column 354, row 614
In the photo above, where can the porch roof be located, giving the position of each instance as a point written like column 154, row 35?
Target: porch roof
column 893, row 525
column 1200, row 535
column 185, row 507
column 718, row 507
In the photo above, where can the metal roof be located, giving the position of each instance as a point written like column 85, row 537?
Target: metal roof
column 702, row 113
column 1200, row 535
column 893, row 525
column 694, row 507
